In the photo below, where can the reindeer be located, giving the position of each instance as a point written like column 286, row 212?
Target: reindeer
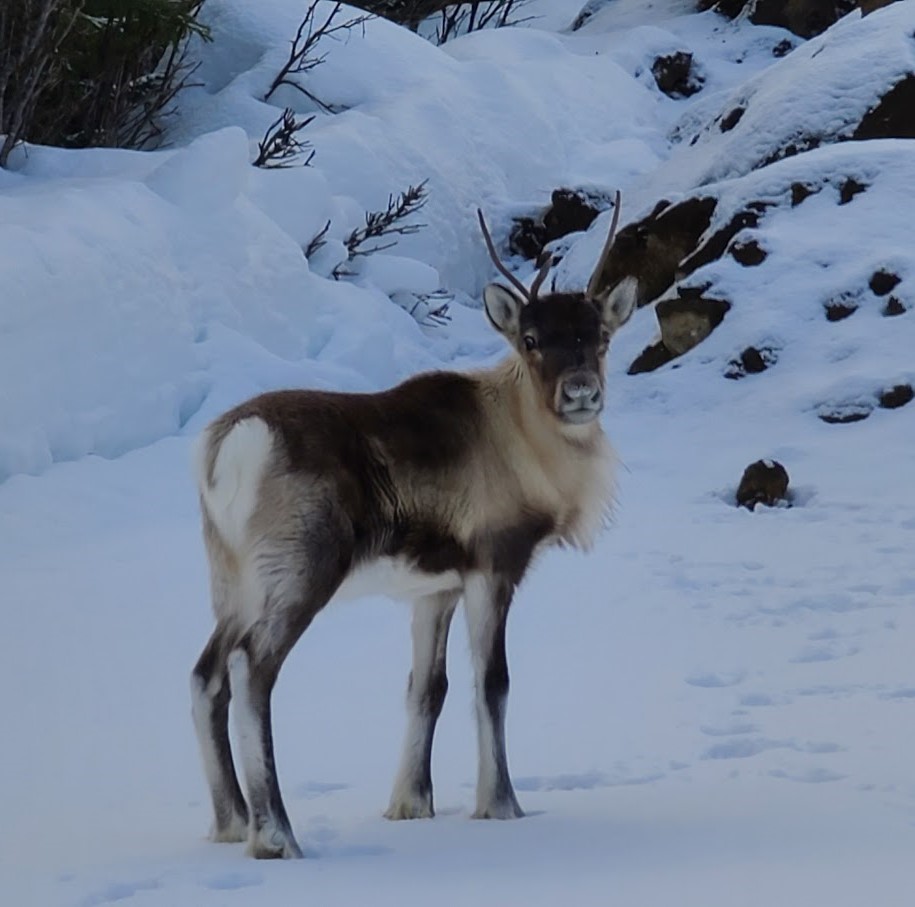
column 436, row 490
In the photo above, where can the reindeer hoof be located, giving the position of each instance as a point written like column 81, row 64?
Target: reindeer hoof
column 273, row 844
column 503, row 809
column 410, row 808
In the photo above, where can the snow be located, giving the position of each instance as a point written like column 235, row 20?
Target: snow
column 712, row 708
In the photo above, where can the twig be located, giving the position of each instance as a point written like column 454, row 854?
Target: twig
column 302, row 56
column 386, row 223
column 280, row 147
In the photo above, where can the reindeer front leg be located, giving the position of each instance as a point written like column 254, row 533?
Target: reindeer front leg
column 412, row 795
column 486, row 602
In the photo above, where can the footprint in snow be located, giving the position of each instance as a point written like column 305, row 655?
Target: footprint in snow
column 582, row 781
column 119, row 891
column 828, row 652
column 229, row 881
column 716, row 679
column 310, row 790
column 808, row 776
column 743, row 748
column 903, row 693
column 729, row 730
column 760, row 700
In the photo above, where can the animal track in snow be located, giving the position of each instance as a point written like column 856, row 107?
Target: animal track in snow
column 582, row 781
column 311, row 790
column 902, row 693
column 229, row 881
column 808, row 776
column 119, row 891
column 743, row 748
column 759, row 700
column 716, row 679
column 827, row 652
column 729, row 730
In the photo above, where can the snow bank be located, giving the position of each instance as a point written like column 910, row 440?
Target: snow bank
column 818, row 251
column 817, row 94
column 115, row 287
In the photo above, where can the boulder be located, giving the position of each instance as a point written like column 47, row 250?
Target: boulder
column 685, row 323
column 569, row 211
column 763, row 482
column 676, row 76
column 805, row 18
column 652, row 249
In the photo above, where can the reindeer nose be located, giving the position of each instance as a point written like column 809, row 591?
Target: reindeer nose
column 582, row 390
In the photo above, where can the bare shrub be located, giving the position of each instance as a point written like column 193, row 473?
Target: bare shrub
column 303, row 53
column 462, row 18
column 454, row 18
column 281, row 146
column 388, row 222
column 82, row 73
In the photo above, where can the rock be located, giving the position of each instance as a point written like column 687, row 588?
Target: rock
column 716, row 245
column 653, row 248
column 748, row 253
column 844, row 413
column 893, row 307
column 896, row 396
column 799, row 192
column 752, row 361
column 651, row 358
column 849, row 189
column 675, row 75
column 685, row 323
column 783, row 48
column 731, row 119
column 569, row 211
column 883, row 282
column 839, row 309
column 527, row 237
column 869, row 6
column 588, row 11
column 893, row 117
column 763, row 482
column 805, row 18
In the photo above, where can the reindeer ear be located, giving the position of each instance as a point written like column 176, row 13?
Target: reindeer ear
column 503, row 308
column 618, row 305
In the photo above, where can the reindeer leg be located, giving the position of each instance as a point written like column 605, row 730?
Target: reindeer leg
column 486, row 603
column 426, row 689
column 210, row 708
column 254, row 665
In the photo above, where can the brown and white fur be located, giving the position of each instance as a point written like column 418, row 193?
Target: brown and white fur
column 438, row 490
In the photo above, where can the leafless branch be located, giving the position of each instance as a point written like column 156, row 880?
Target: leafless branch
column 281, row 147
column 317, row 241
column 303, row 56
column 388, row 222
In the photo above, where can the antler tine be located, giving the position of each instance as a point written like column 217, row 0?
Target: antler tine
column 594, row 282
column 490, row 245
column 541, row 275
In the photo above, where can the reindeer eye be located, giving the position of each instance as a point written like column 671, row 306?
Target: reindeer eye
column 605, row 338
column 530, row 342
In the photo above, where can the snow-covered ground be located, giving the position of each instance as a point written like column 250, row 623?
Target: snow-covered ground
column 714, row 708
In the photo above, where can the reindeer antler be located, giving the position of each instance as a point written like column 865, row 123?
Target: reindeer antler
column 541, row 274
column 527, row 294
column 594, row 282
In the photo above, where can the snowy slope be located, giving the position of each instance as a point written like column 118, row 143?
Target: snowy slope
column 714, row 708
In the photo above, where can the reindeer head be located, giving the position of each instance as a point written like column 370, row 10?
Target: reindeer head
column 561, row 337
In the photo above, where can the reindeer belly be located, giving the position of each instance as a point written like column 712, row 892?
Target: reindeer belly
column 396, row 577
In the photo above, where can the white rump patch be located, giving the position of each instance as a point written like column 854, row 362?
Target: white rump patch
column 237, row 472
